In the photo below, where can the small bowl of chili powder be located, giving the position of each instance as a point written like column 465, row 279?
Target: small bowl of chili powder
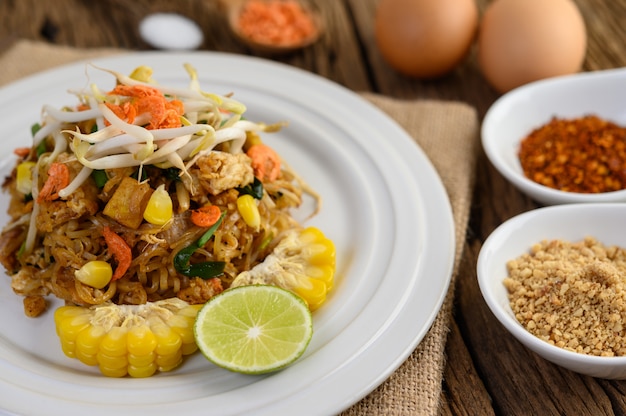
column 562, row 140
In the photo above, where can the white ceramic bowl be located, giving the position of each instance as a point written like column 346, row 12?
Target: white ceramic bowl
column 514, row 115
column 571, row 222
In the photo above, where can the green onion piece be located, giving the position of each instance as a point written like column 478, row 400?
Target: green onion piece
column 255, row 189
column 41, row 148
column 205, row 270
column 144, row 175
column 266, row 241
column 172, row 173
column 22, row 249
column 100, row 177
column 35, row 128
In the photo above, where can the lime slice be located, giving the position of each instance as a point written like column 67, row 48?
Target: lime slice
column 254, row 329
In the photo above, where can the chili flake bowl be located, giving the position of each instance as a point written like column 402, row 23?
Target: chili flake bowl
column 514, row 115
column 513, row 238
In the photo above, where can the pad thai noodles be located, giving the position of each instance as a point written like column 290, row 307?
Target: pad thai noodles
column 142, row 192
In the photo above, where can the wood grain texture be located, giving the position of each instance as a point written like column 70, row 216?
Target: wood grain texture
column 488, row 372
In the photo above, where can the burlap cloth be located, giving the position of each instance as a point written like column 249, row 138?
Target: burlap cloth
column 448, row 134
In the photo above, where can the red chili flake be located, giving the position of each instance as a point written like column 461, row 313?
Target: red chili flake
column 585, row 155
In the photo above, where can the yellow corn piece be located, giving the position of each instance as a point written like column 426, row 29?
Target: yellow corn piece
column 142, row 73
column 252, row 138
column 133, row 340
column 249, row 210
column 160, row 208
column 95, row 273
column 303, row 262
column 313, row 291
column 24, row 177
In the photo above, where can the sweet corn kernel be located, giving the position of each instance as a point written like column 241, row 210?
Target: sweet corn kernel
column 141, row 360
column 88, row 340
column 114, row 342
column 113, row 372
column 160, row 208
column 88, row 359
column 189, row 348
column 318, row 249
column 141, row 341
column 168, row 341
column 128, row 340
column 249, row 211
column 68, row 348
column 111, row 362
column 95, row 273
column 169, row 362
column 253, row 138
column 313, row 291
column 142, row 371
column 190, row 311
column 183, row 326
column 70, row 327
column 63, row 314
column 24, row 177
column 325, row 273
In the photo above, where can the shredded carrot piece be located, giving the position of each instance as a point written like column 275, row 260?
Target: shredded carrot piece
column 163, row 112
column 206, row 216
column 125, row 111
column 137, row 91
column 121, row 252
column 278, row 22
column 265, row 162
column 58, row 178
column 22, row 151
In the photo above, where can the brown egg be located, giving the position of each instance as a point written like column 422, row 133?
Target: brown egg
column 425, row 38
column 521, row 41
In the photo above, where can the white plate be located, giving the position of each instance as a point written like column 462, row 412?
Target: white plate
column 384, row 206
column 514, row 115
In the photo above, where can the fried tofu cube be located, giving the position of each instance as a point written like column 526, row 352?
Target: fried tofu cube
column 128, row 203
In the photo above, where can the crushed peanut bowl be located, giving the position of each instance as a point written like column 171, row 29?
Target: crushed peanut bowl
column 514, row 115
column 572, row 223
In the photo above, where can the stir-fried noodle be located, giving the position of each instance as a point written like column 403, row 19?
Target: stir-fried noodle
column 192, row 144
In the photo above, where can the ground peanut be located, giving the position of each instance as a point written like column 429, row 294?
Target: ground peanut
column 572, row 295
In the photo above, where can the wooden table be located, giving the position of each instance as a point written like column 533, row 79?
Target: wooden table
column 488, row 372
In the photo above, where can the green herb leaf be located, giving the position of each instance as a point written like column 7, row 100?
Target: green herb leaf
column 144, row 175
column 205, row 270
column 35, row 128
column 255, row 189
column 100, row 176
column 41, row 148
column 172, row 173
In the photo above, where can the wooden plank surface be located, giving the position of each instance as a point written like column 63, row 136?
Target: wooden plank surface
column 487, row 372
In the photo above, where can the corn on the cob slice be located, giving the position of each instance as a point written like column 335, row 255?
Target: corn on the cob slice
column 303, row 262
column 134, row 340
